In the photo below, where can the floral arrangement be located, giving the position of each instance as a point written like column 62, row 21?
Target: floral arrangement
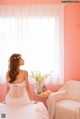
column 38, row 76
column 40, row 86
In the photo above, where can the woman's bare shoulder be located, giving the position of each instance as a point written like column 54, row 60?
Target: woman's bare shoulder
column 24, row 72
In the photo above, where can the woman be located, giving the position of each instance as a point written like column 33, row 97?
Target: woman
column 18, row 89
column 18, row 104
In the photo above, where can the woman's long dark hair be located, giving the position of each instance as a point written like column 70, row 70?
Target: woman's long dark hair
column 14, row 67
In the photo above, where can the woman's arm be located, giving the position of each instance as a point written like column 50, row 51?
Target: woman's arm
column 7, row 86
column 27, row 84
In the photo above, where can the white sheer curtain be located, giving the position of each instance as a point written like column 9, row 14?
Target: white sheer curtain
column 36, row 32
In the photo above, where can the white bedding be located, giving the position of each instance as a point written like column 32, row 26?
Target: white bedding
column 31, row 111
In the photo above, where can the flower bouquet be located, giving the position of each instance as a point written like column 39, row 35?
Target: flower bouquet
column 39, row 78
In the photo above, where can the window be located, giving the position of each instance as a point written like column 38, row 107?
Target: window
column 36, row 37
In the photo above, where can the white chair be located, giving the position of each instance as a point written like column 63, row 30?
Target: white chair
column 65, row 104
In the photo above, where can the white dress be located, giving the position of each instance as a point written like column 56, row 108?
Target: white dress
column 17, row 95
column 19, row 106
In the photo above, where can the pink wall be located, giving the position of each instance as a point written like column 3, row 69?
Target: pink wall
column 72, row 42
column 29, row 1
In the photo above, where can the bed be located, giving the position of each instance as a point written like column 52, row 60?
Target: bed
column 31, row 111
